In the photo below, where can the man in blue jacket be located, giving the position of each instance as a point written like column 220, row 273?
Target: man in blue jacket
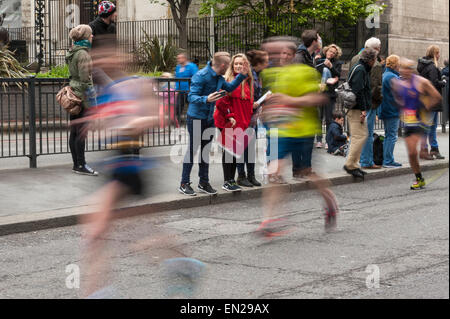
column 389, row 111
column 184, row 69
column 208, row 85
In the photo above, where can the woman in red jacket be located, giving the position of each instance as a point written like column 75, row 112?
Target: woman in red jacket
column 234, row 112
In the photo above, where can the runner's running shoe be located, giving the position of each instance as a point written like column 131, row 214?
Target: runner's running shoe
column 418, row 184
column 330, row 219
column 274, row 228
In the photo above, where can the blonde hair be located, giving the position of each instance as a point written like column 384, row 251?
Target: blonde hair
column 166, row 75
column 229, row 75
column 432, row 52
column 338, row 49
column 393, row 61
column 218, row 58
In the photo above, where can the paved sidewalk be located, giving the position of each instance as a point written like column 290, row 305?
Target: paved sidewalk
column 53, row 196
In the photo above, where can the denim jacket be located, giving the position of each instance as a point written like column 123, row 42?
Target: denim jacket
column 205, row 82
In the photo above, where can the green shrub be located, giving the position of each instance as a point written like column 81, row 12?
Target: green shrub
column 59, row 71
column 154, row 56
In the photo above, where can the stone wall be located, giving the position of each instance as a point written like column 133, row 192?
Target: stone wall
column 416, row 24
column 27, row 13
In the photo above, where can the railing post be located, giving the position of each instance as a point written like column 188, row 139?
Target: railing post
column 32, row 122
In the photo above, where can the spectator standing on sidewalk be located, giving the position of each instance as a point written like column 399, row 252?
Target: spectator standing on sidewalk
column 207, row 87
column 306, row 51
column 105, row 23
column 360, row 84
column 184, row 69
column 330, row 67
column 389, row 111
column 234, row 111
column 376, row 75
column 312, row 42
column 104, row 31
column 428, row 68
column 259, row 60
column 80, row 69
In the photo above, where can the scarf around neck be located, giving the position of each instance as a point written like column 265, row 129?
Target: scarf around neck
column 84, row 43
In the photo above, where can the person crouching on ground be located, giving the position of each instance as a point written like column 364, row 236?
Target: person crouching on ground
column 235, row 111
column 80, row 69
column 336, row 139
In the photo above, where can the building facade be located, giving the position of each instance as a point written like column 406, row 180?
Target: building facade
column 415, row 24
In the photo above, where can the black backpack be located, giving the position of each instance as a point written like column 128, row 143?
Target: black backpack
column 378, row 149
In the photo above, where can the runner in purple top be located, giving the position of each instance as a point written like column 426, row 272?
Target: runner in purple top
column 415, row 95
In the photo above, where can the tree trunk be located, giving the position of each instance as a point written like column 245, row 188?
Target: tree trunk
column 183, row 35
column 179, row 12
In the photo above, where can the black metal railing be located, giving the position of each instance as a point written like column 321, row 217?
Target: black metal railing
column 33, row 124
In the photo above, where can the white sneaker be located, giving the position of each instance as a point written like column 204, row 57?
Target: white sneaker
column 319, row 145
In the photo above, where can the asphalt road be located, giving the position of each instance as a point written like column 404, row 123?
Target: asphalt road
column 383, row 226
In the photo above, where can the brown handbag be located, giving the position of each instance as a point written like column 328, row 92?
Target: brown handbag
column 69, row 101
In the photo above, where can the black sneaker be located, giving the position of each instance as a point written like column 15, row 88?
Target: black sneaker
column 243, row 181
column 357, row 173
column 186, row 189
column 231, row 186
column 206, row 188
column 85, row 170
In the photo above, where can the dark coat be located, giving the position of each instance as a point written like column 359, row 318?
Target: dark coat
column 376, row 78
column 303, row 57
column 336, row 70
column 428, row 70
column 360, row 84
column 335, row 137
column 100, row 29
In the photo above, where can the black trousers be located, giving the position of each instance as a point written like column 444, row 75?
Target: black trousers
column 229, row 166
column 249, row 160
column 77, row 141
column 326, row 112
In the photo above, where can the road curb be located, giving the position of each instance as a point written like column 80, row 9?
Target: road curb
column 71, row 216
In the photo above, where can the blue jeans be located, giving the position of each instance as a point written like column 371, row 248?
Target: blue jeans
column 391, row 134
column 196, row 141
column 366, row 159
column 431, row 136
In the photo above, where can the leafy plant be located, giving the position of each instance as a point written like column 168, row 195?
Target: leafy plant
column 150, row 74
column 59, row 71
column 154, row 56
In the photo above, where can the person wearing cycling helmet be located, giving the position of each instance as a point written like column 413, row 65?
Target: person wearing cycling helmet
column 105, row 24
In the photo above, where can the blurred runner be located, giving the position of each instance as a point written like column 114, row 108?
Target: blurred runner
column 291, row 115
column 416, row 96
column 126, row 108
